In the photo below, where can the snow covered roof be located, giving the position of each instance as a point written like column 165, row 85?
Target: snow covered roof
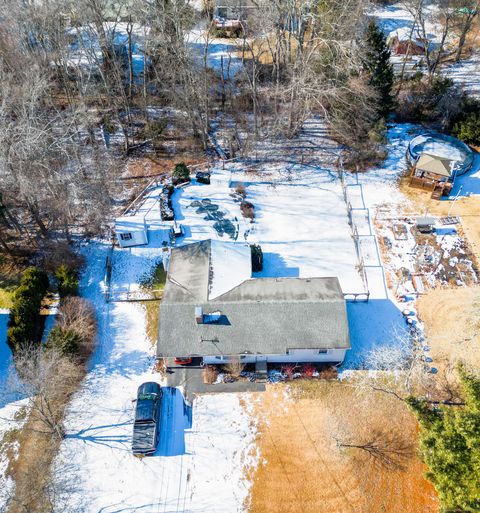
column 404, row 34
column 261, row 315
column 128, row 224
column 205, row 270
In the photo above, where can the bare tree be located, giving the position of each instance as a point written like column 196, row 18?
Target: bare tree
column 47, row 380
column 388, row 449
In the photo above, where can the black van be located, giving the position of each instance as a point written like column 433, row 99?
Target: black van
column 147, row 417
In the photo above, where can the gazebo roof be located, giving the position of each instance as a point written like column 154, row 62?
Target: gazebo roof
column 433, row 164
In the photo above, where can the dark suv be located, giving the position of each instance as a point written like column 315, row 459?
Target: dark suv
column 147, row 417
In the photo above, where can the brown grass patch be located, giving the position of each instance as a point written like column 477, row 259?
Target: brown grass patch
column 152, row 310
column 302, row 468
column 452, row 325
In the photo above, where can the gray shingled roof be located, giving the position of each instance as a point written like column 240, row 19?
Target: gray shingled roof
column 262, row 315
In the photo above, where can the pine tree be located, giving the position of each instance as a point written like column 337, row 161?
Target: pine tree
column 450, row 446
column 377, row 64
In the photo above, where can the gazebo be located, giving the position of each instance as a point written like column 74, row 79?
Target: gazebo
column 433, row 172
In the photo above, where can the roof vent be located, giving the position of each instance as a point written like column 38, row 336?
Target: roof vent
column 199, row 315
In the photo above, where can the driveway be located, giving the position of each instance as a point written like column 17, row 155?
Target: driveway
column 190, row 378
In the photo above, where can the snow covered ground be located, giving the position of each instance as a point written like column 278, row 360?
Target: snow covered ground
column 466, row 73
column 395, row 16
column 302, row 224
column 222, row 54
column 199, row 465
column 9, row 408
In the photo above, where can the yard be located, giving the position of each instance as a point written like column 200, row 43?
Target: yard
column 302, row 468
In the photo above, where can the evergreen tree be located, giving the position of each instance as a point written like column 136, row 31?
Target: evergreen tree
column 450, row 446
column 377, row 64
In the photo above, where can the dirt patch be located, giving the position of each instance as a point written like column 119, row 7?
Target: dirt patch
column 452, row 324
column 302, row 467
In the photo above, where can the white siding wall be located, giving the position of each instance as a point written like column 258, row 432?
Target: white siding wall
column 139, row 237
column 295, row 355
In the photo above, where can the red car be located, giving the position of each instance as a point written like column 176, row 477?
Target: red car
column 182, row 360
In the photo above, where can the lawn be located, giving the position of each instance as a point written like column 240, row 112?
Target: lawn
column 304, row 469
column 154, row 282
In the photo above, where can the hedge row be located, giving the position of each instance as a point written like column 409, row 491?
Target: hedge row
column 24, row 324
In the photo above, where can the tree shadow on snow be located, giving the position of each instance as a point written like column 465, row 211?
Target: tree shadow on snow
column 105, row 435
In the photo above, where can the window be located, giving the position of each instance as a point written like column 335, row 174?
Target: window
column 126, row 236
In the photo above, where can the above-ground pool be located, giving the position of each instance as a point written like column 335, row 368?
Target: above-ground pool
column 442, row 146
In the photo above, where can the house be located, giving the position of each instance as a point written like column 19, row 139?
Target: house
column 402, row 41
column 434, row 172
column 131, row 230
column 228, row 11
column 214, row 309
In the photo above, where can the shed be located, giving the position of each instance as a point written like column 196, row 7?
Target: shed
column 131, row 230
column 425, row 224
column 403, row 42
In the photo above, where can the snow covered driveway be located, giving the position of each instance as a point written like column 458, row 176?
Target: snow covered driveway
column 198, row 466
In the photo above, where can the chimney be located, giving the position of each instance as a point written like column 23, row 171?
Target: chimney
column 198, row 315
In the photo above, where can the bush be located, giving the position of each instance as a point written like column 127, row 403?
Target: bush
column 466, row 125
column 468, row 129
column 181, row 174
column 65, row 341
column 223, row 33
column 67, row 279
column 77, row 315
column 210, row 373
column 240, row 190
column 247, row 209
column 257, row 258
column 24, row 323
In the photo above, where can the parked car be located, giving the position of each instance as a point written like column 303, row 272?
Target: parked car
column 182, row 360
column 147, row 416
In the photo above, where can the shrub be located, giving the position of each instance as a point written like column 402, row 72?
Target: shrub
column 181, row 174
column 24, row 323
column 240, row 190
column 247, row 209
column 468, row 130
column 257, row 258
column 65, row 341
column 210, row 373
column 77, row 315
column 67, row 279
column 288, row 370
column 235, row 367
column 309, row 370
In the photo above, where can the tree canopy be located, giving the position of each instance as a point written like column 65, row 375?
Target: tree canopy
column 450, row 446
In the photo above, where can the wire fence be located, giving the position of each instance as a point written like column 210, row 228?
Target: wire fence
column 358, row 237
